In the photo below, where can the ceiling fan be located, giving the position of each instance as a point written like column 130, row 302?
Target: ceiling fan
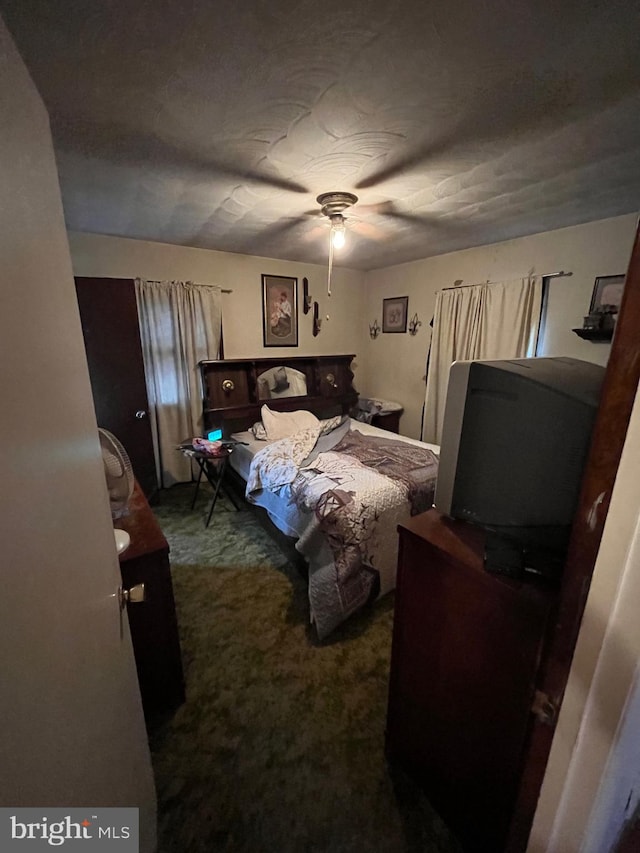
column 340, row 212
column 333, row 205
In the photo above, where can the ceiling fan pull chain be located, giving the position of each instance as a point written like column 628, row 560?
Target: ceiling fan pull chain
column 330, row 266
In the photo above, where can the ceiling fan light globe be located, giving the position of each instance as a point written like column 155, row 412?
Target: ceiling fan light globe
column 338, row 237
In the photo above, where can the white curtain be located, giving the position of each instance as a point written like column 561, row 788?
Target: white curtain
column 180, row 324
column 487, row 321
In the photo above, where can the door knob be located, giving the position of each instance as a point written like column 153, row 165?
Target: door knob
column 140, row 414
column 135, row 595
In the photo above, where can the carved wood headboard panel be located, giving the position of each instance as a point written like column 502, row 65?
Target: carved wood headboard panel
column 234, row 390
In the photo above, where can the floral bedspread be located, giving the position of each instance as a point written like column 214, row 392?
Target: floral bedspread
column 277, row 464
column 353, row 497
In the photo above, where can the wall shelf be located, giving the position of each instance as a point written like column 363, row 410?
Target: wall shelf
column 594, row 334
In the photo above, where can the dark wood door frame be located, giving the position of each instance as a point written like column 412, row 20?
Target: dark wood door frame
column 610, row 430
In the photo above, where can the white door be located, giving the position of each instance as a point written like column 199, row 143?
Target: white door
column 71, row 726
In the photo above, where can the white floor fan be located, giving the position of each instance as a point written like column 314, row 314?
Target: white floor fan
column 119, row 475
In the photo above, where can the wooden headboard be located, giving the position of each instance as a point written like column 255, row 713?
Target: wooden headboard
column 234, row 390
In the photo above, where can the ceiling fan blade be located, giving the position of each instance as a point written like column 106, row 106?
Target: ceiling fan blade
column 379, row 209
column 117, row 143
column 388, row 210
column 272, row 233
column 430, row 220
column 409, row 162
column 368, row 230
column 518, row 107
column 318, row 232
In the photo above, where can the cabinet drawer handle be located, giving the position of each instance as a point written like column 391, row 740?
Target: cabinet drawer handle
column 227, row 385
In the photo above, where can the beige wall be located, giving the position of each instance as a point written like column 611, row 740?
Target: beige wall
column 393, row 366
column 95, row 255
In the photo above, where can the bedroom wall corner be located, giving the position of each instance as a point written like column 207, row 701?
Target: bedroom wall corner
column 120, row 257
column 394, row 364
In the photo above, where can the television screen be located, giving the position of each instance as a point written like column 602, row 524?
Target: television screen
column 514, row 443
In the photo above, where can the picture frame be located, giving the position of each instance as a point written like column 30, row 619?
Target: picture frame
column 607, row 290
column 279, row 311
column 394, row 314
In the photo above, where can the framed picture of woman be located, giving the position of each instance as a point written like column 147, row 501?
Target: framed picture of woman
column 279, row 311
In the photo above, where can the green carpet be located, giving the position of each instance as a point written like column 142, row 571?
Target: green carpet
column 279, row 746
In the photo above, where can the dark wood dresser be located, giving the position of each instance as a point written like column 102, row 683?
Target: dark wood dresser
column 153, row 623
column 466, row 648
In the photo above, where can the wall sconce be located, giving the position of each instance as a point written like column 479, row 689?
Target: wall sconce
column 306, row 299
column 414, row 323
column 374, row 330
column 317, row 322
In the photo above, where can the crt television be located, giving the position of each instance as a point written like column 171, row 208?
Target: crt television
column 514, row 441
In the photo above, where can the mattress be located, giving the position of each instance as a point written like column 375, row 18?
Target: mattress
column 341, row 495
column 278, row 503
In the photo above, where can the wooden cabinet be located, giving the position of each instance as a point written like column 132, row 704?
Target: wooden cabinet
column 466, row 647
column 153, row 623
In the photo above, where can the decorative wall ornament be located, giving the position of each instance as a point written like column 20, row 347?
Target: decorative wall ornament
column 306, row 299
column 279, row 311
column 374, row 330
column 394, row 314
column 414, row 324
column 317, row 322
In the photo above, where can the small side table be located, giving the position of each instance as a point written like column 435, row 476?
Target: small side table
column 388, row 420
column 213, row 466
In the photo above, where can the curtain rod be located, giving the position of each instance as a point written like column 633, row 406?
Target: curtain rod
column 477, row 284
column 158, row 281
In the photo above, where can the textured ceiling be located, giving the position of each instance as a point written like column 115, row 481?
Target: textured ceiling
column 455, row 122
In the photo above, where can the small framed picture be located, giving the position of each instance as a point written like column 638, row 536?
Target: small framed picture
column 607, row 291
column 394, row 314
column 279, row 311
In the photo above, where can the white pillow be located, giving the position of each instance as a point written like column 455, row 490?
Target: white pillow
column 283, row 424
column 259, row 432
column 329, row 424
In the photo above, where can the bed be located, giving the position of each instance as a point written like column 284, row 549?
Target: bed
column 337, row 486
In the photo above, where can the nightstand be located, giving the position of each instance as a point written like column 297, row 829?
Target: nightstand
column 388, row 420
